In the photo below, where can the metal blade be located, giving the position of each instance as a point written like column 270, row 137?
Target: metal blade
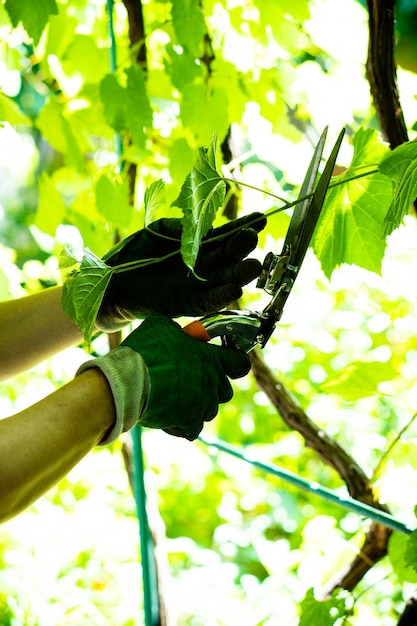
column 315, row 205
column 307, row 188
column 300, row 232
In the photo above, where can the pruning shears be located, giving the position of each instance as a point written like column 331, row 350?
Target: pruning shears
column 244, row 330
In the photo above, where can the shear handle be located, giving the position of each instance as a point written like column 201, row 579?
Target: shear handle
column 238, row 329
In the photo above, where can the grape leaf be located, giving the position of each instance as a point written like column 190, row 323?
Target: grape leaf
column 410, row 553
column 181, row 67
column 201, row 195
column 32, row 14
column 189, row 25
column 57, row 131
column 66, row 260
column 155, row 198
column 323, row 612
column 83, row 292
column 113, row 97
column 350, row 229
column 112, row 199
column 51, row 209
column 398, row 554
column 138, row 109
column 400, row 166
column 10, row 111
column 127, row 107
column 216, row 111
column 359, row 380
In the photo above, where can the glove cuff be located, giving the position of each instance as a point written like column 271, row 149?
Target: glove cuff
column 128, row 378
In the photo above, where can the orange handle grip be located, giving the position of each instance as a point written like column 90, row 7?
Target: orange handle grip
column 197, row 330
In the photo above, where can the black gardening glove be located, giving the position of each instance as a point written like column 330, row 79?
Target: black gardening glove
column 169, row 287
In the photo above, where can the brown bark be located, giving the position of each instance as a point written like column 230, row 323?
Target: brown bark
column 382, row 72
column 137, row 30
column 137, row 41
column 375, row 545
column 382, row 77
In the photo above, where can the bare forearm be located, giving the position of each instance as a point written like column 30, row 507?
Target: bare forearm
column 42, row 443
column 32, row 329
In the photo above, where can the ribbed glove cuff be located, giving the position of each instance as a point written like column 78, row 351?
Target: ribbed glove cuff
column 128, row 378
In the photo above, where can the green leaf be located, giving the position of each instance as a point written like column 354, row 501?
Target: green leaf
column 350, row 229
column 359, row 380
column 282, row 17
column 84, row 56
column 410, row 554
column 66, row 260
column 61, row 32
column 181, row 67
column 181, row 159
column 401, row 168
column 127, row 108
column 51, row 209
column 399, row 553
column 138, row 109
column 155, row 199
column 226, row 79
column 32, row 14
column 112, row 199
column 57, row 131
column 189, row 25
column 73, row 155
column 201, row 195
column 273, row 108
column 323, row 613
column 215, row 105
column 113, row 97
column 10, row 112
column 83, row 292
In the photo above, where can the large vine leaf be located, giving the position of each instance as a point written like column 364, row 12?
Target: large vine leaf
column 112, row 199
column 113, row 98
column 32, row 14
column 410, row 553
column 189, row 25
column 139, row 113
column 350, row 229
column 399, row 554
column 127, row 108
column 400, row 166
column 51, row 208
column 83, row 291
column 323, row 612
column 202, row 194
column 359, row 380
column 10, row 111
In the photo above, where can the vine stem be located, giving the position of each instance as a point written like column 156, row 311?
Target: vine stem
column 273, row 195
column 124, row 267
column 388, row 451
column 131, row 265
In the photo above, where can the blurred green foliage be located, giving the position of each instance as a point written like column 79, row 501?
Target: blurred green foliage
column 243, row 548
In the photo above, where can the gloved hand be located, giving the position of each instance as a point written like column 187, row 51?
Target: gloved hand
column 161, row 377
column 169, row 287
